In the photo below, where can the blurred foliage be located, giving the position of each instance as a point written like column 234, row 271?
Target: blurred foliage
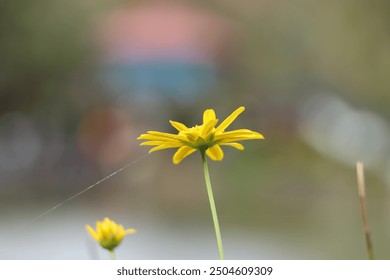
column 45, row 52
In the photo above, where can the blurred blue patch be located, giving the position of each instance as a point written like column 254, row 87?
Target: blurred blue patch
column 179, row 80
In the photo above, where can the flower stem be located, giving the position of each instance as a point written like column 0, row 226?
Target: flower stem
column 363, row 206
column 212, row 204
column 112, row 254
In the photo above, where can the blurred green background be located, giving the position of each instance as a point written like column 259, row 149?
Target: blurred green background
column 80, row 80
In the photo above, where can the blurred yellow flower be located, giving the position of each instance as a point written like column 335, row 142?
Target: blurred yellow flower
column 108, row 233
column 205, row 138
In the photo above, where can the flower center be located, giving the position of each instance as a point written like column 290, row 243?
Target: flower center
column 199, row 138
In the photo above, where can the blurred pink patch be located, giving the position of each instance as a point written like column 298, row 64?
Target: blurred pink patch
column 165, row 29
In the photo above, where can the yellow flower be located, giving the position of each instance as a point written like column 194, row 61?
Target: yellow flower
column 108, row 233
column 205, row 137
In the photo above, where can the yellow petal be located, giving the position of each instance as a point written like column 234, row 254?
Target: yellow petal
column 178, row 138
column 92, row 232
column 158, row 143
column 99, row 227
column 182, row 153
column 120, row 231
column 149, row 137
column 152, row 135
column 238, row 146
column 130, row 231
column 229, row 120
column 208, row 127
column 179, row 126
column 162, row 147
column 208, row 115
column 119, row 236
column 215, row 152
column 238, row 135
column 104, row 229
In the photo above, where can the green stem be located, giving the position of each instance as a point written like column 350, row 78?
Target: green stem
column 212, row 204
column 112, row 254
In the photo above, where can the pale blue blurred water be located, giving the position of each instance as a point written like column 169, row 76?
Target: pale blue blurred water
column 61, row 235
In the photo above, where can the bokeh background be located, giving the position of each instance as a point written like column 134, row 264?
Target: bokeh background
column 80, row 80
